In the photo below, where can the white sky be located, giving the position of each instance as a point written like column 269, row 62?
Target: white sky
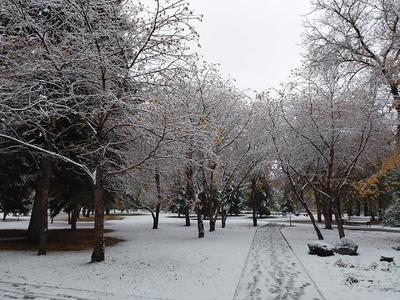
column 256, row 42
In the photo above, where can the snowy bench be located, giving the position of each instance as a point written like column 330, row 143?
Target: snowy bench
column 359, row 220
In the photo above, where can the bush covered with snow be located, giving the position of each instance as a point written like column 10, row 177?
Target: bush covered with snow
column 391, row 217
column 346, row 246
column 320, row 248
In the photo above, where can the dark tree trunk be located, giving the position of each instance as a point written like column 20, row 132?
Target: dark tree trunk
column 156, row 216
column 338, row 217
column 83, row 211
column 223, row 218
column 159, row 200
column 69, row 217
column 34, row 223
column 187, row 216
column 212, row 224
column 253, row 200
column 300, row 197
column 191, row 194
column 200, row 224
column 75, row 216
column 44, row 203
column 316, row 228
column 380, row 209
column 358, row 208
column 4, row 215
column 211, row 210
column 319, row 208
column 98, row 246
column 396, row 104
column 366, row 209
column 327, row 212
column 372, row 213
column 87, row 213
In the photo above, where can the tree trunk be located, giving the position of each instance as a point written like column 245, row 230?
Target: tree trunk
column 34, row 223
column 396, row 104
column 4, row 215
column 380, row 205
column 69, row 217
column 358, row 208
column 212, row 223
column 200, row 224
column 156, row 216
column 339, row 220
column 187, row 216
column 192, row 197
column 159, row 199
column 318, row 204
column 75, row 216
column 366, row 209
column 327, row 212
column 316, row 228
column 98, row 246
column 253, row 200
column 44, row 203
column 211, row 210
column 223, row 218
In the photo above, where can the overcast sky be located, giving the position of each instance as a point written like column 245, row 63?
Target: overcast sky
column 255, row 42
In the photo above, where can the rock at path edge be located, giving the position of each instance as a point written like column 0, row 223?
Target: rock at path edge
column 320, row 248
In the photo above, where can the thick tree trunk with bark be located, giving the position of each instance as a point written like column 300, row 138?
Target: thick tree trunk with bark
column 187, row 216
column 253, row 200
column 316, row 228
column 75, row 216
column 193, row 199
column 212, row 220
column 366, row 209
column 43, row 203
column 338, row 217
column 300, row 197
column 319, row 206
column 223, row 218
column 98, row 246
column 396, row 105
column 327, row 212
column 358, row 208
column 156, row 217
column 200, row 224
column 34, row 223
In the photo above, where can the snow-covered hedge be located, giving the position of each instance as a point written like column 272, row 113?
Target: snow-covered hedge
column 391, row 217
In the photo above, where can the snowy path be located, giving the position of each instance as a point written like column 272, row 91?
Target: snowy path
column 272, row 270
column 10, row 290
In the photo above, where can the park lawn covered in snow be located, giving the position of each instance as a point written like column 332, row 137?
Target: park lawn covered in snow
column 169, row 263
column 351, row 277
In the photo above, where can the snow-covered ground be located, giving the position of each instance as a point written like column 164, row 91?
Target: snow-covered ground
column 168, row 263
column 351, row 277
column 172, row 263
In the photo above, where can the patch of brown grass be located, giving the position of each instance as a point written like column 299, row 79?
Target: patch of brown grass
column 58, row 240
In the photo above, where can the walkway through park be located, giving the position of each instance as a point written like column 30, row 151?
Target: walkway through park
column 272, row 270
